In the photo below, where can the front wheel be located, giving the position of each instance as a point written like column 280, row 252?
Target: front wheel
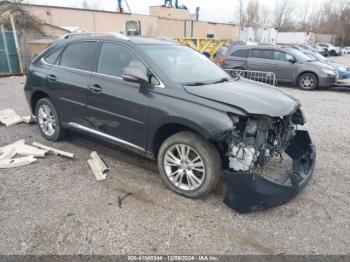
column 307, row 81
column 189, row 165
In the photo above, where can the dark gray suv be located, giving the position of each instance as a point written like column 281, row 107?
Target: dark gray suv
column 170, row 103
column 288, row 64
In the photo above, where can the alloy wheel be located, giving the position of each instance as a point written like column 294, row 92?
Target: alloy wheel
column 184, row 167
column 307, row 82
column 47, row 121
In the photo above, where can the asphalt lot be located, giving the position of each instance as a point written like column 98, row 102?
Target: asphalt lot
column 55, row 206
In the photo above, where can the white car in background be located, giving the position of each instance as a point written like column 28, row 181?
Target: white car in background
column 330, row 49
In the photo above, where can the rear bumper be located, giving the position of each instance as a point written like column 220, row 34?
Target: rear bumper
column 246, row 192
column 327, row 81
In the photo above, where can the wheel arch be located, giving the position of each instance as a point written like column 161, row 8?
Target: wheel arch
column 36, row 96
column 307, row 72
column 170, row 128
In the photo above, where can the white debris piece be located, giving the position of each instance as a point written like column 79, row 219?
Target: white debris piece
column 98, row 166
column 7, row 152
column 16, row 162
column 28, row 119
column 53, row 150
column 8, row 117
column 26, row 150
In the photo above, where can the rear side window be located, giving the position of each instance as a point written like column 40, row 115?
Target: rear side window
column 52, row 58
column 262, row 53
column 79, row 55
column 114, row 58
column 240, row 53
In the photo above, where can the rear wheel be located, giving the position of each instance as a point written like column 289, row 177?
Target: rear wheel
column 189, row 165
column 48, row 120
column 308, row 81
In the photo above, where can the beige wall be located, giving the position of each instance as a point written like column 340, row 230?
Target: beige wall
column 102, row 21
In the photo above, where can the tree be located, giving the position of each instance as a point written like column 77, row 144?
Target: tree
column 283, row 15
column 23, row 19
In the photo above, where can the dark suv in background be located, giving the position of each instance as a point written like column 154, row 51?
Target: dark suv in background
column 170, row 103
column 288, row 64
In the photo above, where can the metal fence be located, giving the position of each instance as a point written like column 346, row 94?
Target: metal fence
column 8, row 53
column 259, row 76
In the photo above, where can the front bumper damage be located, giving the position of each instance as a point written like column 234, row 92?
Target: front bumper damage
column 247, row 191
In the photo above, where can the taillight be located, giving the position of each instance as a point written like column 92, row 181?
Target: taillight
column 221, row 61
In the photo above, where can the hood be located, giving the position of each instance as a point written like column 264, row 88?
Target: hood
column 322, row 65
column 338, row 66
column 253, row 97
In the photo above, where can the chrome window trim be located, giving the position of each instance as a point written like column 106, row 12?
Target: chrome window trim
column 161, row 85
column 101, row 134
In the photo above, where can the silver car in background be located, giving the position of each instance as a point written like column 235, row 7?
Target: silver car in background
column 288, row 64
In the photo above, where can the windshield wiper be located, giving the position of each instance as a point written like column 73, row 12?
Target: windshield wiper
column 196, row 84
column 221, row 80
column 207, row 83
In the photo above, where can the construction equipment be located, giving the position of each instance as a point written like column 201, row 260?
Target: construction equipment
column 207, row 46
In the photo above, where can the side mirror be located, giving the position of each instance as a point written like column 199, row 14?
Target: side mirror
column 136, row 75
column 292, row 60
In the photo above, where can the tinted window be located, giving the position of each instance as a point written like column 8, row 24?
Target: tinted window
column 79, row 55
column 261, row 53
column 240, row 53
column 113, row 58
column 52, row 58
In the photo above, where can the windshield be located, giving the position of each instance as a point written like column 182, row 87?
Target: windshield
column 303, row 57
column 184, row 65
column 319, row 57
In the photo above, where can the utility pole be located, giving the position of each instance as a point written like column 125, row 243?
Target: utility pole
column 18, row 50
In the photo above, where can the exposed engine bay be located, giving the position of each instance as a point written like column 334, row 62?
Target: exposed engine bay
column 253, row 142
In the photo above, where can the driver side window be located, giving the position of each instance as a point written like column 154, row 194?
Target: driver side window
column 282, row 56
column 114, row 58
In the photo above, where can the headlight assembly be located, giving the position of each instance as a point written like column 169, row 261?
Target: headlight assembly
column 330, row 72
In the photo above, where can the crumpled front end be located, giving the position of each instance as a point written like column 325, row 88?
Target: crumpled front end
column 252, row 143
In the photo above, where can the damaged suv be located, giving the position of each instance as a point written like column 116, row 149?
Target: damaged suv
column 170, row 103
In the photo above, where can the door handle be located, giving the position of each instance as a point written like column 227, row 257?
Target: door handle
column 51, row 78
column 96, row 89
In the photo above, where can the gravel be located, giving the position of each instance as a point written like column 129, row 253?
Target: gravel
column 56, row 206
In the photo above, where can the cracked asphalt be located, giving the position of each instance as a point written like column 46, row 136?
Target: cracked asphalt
column 55, row 206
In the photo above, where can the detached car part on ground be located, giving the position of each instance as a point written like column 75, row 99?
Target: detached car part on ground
column 168, row 102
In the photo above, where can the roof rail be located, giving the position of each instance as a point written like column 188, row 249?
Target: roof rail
column 88, row 35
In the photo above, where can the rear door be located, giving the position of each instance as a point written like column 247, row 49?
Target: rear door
column 69, row 81
column 237, row 58
column 261, row 60
column 117, row 110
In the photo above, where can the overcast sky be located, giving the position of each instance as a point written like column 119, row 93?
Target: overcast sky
column 211, row 10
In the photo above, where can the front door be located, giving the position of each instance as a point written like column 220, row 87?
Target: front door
column 117, row 110
column 285, row 69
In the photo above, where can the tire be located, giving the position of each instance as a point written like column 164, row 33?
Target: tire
column 333, row 53
column 308, row 81
column 48, row 120
column 326, row 53
column 182, row 173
